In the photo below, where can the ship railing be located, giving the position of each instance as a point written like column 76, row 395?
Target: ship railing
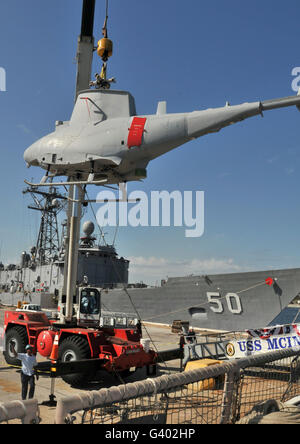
column 27, row 412
column 225, row 393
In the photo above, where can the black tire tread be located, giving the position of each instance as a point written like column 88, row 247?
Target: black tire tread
column 22, row 333
column 83, row 352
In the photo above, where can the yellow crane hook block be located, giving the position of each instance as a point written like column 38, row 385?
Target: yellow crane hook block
column 105, row 48
column 206, row 384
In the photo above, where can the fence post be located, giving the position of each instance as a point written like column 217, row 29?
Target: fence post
column 229, row 395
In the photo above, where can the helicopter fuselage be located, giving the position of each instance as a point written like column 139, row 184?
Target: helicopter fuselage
column 104, row 137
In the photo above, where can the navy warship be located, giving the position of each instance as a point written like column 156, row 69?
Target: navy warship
column 39, row 276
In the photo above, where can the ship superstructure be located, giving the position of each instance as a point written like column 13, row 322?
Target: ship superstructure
column 38, row 278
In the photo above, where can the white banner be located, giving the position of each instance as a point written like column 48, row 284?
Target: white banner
column 264, row 341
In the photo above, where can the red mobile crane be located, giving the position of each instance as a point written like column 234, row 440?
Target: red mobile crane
column 88, row 343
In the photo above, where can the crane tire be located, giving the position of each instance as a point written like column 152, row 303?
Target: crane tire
column 75, row 348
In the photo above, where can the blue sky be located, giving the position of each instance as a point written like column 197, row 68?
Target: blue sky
column 195, row 55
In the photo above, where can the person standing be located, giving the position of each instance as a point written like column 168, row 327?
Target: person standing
column 28, row 360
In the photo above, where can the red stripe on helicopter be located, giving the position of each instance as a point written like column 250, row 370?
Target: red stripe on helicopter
column 136, row 132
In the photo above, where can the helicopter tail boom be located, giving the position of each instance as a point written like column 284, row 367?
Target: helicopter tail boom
column 200, row 123
column 281, row 103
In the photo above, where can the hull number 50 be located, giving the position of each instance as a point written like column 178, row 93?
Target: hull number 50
column 231, row 300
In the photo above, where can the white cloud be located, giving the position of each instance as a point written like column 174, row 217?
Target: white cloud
column 152, row 269
column 273, row 159
column 290, row 171
column 24, row 128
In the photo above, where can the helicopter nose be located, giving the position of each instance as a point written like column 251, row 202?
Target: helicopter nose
column 30, row 156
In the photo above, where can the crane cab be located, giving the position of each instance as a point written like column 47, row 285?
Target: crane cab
column 86, row 307
column 89, row 307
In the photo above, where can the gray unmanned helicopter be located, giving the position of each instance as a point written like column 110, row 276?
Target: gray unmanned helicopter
column 105, row 142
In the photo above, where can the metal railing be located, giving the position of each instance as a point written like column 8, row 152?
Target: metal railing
column 226, row 393
column 25, row 411
column 219, row 394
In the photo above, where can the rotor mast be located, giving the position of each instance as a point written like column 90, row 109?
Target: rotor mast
column 86, row 49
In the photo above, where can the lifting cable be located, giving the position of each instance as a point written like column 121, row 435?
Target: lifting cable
column 105, row 46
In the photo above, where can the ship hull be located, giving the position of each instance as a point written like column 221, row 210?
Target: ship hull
column 227, row 302
column 44, row 300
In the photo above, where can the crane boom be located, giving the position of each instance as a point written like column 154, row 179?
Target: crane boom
column 84, row 66
column 85, row 47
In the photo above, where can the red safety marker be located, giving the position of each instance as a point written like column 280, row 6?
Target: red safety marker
column 269, row 281
column 54, row 352
column 136, row 132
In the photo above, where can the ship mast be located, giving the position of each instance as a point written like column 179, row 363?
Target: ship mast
column 48, row 245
